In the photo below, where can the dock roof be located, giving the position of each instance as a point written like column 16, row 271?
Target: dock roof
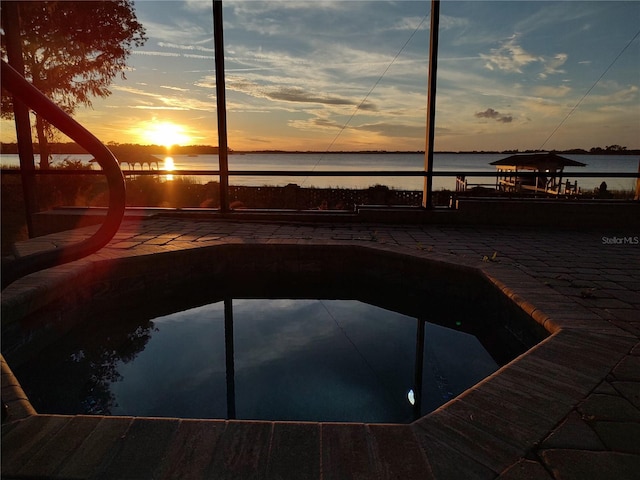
column 540, row 161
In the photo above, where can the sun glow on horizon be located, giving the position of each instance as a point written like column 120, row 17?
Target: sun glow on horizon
column 165, row 134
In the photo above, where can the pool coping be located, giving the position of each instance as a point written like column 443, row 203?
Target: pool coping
column 479, row 434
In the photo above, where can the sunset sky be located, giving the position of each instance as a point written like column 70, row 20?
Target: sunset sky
column 352, row 75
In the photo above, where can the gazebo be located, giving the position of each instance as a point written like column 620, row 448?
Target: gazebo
column 549, row 168
column 132, row 158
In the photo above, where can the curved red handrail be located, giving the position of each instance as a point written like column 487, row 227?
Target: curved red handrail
column 38, row 102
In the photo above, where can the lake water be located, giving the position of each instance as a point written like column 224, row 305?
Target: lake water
column 317, row 162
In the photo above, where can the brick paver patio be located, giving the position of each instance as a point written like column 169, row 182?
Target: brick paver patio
column 568, row 409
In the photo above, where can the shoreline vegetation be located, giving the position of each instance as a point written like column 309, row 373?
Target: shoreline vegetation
column 71, row 148
column 186, row 192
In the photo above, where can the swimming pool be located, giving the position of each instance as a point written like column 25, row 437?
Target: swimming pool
column 292, row 359
column 141, row 318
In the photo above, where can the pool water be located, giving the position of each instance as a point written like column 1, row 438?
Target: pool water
column 262, row 359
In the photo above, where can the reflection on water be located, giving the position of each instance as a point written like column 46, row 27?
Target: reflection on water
column 170, row 166
column 317, row 360
column 75, row 375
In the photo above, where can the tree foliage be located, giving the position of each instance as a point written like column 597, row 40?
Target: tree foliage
column 72, row 51
column 615, row 149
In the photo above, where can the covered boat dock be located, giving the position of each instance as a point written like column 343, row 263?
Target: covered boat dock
column 543, row 174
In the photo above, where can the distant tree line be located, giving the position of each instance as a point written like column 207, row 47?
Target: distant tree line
column 608, row 150
column 73, row 148
column 612, row 149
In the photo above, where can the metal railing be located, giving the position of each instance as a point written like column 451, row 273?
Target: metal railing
column 12, row 269
column 460, row 188
column 322, row 173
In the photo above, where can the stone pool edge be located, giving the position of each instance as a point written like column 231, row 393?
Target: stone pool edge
column 480, row 433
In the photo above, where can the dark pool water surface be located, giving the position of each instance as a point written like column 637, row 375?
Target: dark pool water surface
column 266, row 359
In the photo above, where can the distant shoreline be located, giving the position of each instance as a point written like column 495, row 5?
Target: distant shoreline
column 72, row 148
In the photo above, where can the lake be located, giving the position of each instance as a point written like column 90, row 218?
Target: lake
column 318, row 162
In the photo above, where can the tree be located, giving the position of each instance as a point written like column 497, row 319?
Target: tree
column 615, row 148
column 72, row 51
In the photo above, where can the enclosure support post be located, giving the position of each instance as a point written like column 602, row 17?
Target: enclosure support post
column 417, row 388
column 228, row 349
column 21, row 114
column 222, row 106
column 637, row 195
column 427, row 192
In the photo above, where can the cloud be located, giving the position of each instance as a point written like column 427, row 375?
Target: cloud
column 410, row 24
column 393, row 129
column 198, row 6
column 177, row 89
column 615, row 95
column 285, row 93
column 135, row 91
column 551, row 66
column 494, row 115
column 299, row 95
column 147, row 107
column 162, row 102
column 197, row 57
column 509, row 57
column 324, row 123
column 448, row 22
column 177, row 31
column 265, row 18
column 556, row 16
column 551, row 92
column 294, row 94
column 179, row 46
column 155, row 53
